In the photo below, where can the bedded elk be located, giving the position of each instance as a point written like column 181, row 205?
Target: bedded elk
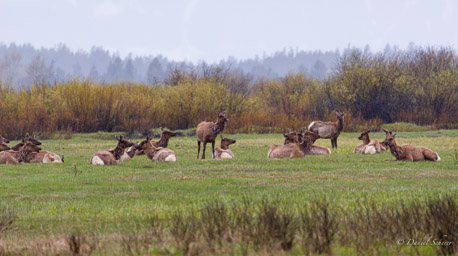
column 27, row 138
column 207, row 131
column 369, row 146
column 293, row 149
column 111, row 156
column 163, row 141
column 4, row 144
column 17, row 157
column 129, row 154
column 329, row 130
column 224, row 151
column 294, row 137
column 44, row 157
column 156, row 153
column 409, row 152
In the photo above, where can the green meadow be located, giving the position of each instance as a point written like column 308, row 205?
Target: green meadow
column 51, row 201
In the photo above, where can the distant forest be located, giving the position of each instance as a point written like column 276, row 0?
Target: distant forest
column 24, row 65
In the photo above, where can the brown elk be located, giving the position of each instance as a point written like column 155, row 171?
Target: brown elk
column 129, row 154
column 156, row 153
column 409, row 152
column 294, row 137
column 163, row 141
column 16, row 157
column 111, row 156
column 294, row 149
column 369, row 146
column 207, row 131
column 4, row 144
column 224, row 151
column 44, row 157
column 27, row 138
column 4, row 139
column 329, row 130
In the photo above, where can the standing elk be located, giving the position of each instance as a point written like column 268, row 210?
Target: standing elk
column 409, row 152
column 156, row 153
column 207, row 131
column 369, row 146
column 17, row 157
column 294, row 137
column 294, row 149
column 224, row 151
column 329, row 130
column 111, row 156
column 163, row 141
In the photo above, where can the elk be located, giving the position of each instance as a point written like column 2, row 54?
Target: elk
column 129, row 154
column 224, row 151
column 17, row 157
column 111, row 156
column 293, row 149
column 44, row 157
column 163, row 141
column 4, row 144
column 294, row 137
column 409, row 152
column 27, row 138
column 369, row 146
column 207, row 131
column 156, row 153
column 4, row 139
column 329, row 130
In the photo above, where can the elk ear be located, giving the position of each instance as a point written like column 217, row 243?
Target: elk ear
column 394, row 135
column 117, row 138
column 221, row 136
column 386, row 131
column 162, row 129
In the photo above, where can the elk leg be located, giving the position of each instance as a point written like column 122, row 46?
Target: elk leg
column 332, row 142
column 335, row 142
column 198, row 149
column 203, row 150
column 213, row 150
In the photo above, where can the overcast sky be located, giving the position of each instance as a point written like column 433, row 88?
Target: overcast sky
column 216, row 29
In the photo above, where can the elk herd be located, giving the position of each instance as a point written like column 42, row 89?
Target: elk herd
column 296, row 144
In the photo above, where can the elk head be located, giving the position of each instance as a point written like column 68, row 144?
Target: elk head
column 123, row 143
column 227, row 141
column 310, row 136
column 4, row 146
column 340, row 115
column 390, row 139
column 364, row 136
column 222, row 117
column 32, row 139
column 291, row 137
column 2, row 139
column 167, row 134
column 144, row 144
column 30, row 147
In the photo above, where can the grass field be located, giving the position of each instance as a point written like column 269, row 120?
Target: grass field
column 54, row 200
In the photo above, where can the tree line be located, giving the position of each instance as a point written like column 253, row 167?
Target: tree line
column 418, row 86
column 24, row 65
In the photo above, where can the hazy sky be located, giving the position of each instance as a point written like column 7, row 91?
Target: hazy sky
column 215, row 29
